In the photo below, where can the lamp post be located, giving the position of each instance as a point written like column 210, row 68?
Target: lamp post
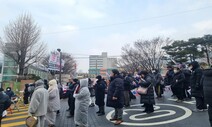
column 59, row 50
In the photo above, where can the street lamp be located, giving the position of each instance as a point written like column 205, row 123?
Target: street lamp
column 59, row 50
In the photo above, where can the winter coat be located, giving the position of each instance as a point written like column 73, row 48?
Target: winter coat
column 100, row 93
column 116, row 89
column 149, row 97
column 10, row 93
column 157, row 78
column 71, row 90
column 39, row 102
column 127, row 83
column 169, row 77
column 82, row 100
column 178, row 80
column 5, row 102
column 195, row 80
column 207, row 85
column 187, row 74
column 91, row 89
column 54, row 96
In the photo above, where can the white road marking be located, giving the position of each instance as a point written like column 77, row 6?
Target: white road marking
column 187, row 102
column 187, row 114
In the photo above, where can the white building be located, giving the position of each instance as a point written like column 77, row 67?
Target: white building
column 101, row 64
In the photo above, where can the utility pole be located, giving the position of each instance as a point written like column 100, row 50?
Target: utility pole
column 59, row 50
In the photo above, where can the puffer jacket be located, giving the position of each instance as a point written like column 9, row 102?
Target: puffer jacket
column 207, row 86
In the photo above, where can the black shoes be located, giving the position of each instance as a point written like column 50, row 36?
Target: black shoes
column 92, row 105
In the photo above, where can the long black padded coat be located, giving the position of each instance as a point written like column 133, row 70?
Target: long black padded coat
column 149, row 97
column 116, row 89
column 207, row 86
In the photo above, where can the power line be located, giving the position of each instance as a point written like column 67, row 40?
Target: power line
column 132, row 21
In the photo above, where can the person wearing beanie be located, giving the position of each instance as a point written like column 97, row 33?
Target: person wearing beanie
column 71, row 99
column 39, row 103
column 100, row 87
column 115, row 96
column 53, row 103
column 5, row 103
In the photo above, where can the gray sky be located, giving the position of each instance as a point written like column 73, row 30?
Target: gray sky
column 83, row 27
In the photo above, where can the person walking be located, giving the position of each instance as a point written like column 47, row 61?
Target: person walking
column 39, row 103
column 5, row 103
column 26, row 94
column 207, row 85
column 147, row 99
column 197, row 86
column 9, row 92
column 169, row 77
column 178, row 84
column 100, row 87
column 115, row 95
column 82, row 100
column 53, row 103
column 92, row 92
column 71, row 98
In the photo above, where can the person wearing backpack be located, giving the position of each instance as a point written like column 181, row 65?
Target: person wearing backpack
column 197, row 86
column 5, row 103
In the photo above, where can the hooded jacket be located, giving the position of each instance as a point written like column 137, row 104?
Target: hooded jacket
column 54, row 96
column 5, row 102
column 82, row 100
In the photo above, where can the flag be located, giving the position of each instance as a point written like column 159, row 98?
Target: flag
column 134, row 92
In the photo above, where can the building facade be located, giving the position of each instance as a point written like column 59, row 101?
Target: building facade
column 101, row 64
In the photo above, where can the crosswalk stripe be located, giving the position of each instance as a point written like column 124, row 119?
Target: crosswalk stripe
column 13, row 124
column 15, row 118
column 18, row 113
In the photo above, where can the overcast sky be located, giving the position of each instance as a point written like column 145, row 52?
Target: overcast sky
column 83, row 27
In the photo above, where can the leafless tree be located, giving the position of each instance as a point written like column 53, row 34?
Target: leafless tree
column 144, row 54
column 22, row 42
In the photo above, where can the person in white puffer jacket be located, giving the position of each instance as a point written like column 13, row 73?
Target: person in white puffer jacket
column 53, row 104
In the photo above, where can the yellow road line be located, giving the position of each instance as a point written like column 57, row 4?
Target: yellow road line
column 14, row 118
column 18, row 113
column 13, row 124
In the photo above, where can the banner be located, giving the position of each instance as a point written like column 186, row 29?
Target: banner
column 54, row 61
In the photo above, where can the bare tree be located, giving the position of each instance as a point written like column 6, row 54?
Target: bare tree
column 22, row 42
column 145, row 54
column 69, row 63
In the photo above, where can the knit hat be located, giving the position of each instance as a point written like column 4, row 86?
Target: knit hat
column 76, row 80
column 99, row 77
column 39, row 83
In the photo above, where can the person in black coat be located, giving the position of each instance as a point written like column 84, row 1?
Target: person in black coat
column 5, row 103
column 115, row 96
column 207, row 86
column 197, row 86
column 9, row 92
column 72, row 88
column 147, row 99
column 100, row 87
column 26, row 94
column 178, row 84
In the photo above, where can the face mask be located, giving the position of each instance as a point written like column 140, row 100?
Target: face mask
column 190, row 68
column 175, row 71
column 153, row 71
column 8, row 89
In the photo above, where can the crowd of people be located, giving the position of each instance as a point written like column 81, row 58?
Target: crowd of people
column 185, row 82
